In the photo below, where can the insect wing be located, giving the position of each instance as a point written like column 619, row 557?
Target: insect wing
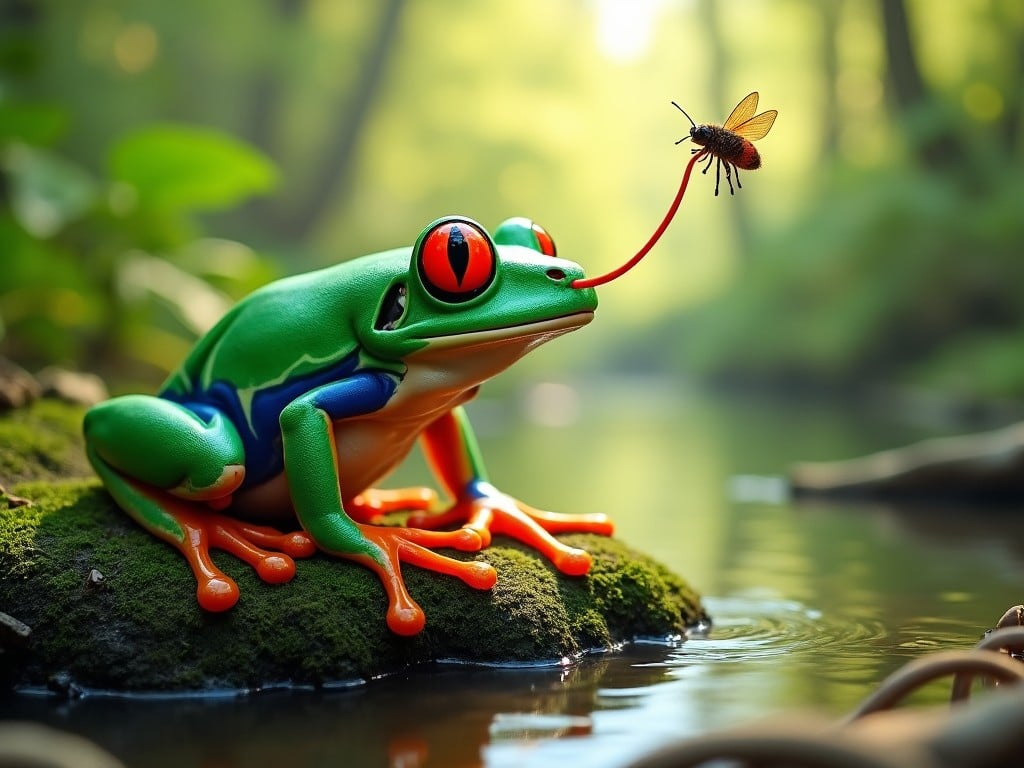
column 743, row 112
column 757, row 127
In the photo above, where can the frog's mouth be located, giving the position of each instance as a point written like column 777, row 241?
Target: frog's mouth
column 528, row 335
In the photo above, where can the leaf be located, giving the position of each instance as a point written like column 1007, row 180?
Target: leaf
column 47, row 191
column 197, row 304
column 32, row 123
column 188, row 168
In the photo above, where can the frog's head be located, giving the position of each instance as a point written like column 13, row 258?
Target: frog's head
column 465, row 293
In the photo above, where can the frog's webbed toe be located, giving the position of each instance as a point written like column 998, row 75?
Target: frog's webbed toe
column 372, row 504
column 486, row 510
column 267, row 550
column 391, row 546
column 247, row 542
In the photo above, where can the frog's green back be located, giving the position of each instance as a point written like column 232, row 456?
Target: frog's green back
column 309, row 316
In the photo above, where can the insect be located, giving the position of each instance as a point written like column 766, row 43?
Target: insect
column 730, row 144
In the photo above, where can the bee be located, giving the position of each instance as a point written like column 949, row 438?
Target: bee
column 730, row 144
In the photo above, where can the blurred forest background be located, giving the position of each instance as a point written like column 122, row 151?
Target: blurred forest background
column 160, row 160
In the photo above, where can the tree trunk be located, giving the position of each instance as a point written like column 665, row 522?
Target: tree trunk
column 1010, row 127
column 830, row 77
column 333, row 178
column 907, row 91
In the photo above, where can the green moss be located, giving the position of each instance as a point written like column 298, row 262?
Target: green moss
column 141, row 628
column 42, row 442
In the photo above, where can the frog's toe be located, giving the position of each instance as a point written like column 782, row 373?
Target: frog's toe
column 477, row 574
column 247, row 542
column 406, row 620
column 480, row 575
column 276, row 568
column 497, row 513
column 298, row 544
column 572, row 561
column 469, row 539
column 388, row 547
column 432, row 521
column 374, row 503
column 557, row 522
column 217, row 593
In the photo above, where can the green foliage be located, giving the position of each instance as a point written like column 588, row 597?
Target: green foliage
column 560, row 118
column 89, row 253
column 47, row 192
column 38, row 124
column 888, row 271
column 185, row 168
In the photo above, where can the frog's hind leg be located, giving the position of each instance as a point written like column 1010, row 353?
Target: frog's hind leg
column 196, row 456
column 175, row 521
column 167, row 466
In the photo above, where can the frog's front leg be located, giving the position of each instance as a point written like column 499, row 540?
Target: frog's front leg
column 170, row 468
column 454, row 456
column 315, row 486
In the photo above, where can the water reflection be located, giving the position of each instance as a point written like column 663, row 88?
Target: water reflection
column 814, row 604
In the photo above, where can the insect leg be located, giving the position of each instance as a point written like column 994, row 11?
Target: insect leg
column 706, row 167
column 736, row 170
column 728, row 177
column 718, row 173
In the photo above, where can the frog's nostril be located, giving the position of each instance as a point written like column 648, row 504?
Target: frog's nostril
column 555, row 274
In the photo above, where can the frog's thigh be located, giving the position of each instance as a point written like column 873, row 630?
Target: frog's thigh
column 167, row 446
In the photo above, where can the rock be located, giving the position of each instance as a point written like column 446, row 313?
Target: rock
column 13, row 633
column 72, row 386
column 18, row 387
column 144, row 630
column 140, row 628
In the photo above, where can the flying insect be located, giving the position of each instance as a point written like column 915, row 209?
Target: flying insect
column 731, row 144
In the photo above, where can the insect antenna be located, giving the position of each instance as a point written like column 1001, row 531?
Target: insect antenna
column 687, row 116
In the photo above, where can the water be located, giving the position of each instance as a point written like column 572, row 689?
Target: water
column 814, row 604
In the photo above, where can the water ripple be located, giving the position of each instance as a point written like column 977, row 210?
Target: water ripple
column 750, row 629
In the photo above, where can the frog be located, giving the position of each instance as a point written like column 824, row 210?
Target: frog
column 308, row 392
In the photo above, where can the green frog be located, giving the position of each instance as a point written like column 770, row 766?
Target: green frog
column 313, row 388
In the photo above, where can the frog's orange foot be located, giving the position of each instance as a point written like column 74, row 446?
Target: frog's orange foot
column 372, row 504
column 390, row 547
column 488, row 511
column 215, row 590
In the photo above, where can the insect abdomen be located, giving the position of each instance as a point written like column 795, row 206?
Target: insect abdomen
column 749, row 158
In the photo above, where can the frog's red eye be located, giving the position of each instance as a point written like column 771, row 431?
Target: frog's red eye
column 547, row 245
column 456, row 261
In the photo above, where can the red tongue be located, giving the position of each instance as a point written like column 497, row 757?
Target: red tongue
column 590, row 282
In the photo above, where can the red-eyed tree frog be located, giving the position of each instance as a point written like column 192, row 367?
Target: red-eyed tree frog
column 310, row 390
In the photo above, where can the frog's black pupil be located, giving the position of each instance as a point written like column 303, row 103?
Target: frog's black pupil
column 458, row 253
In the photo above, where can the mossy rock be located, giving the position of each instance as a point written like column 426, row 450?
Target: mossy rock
column 42, row 442
column 140, row 629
